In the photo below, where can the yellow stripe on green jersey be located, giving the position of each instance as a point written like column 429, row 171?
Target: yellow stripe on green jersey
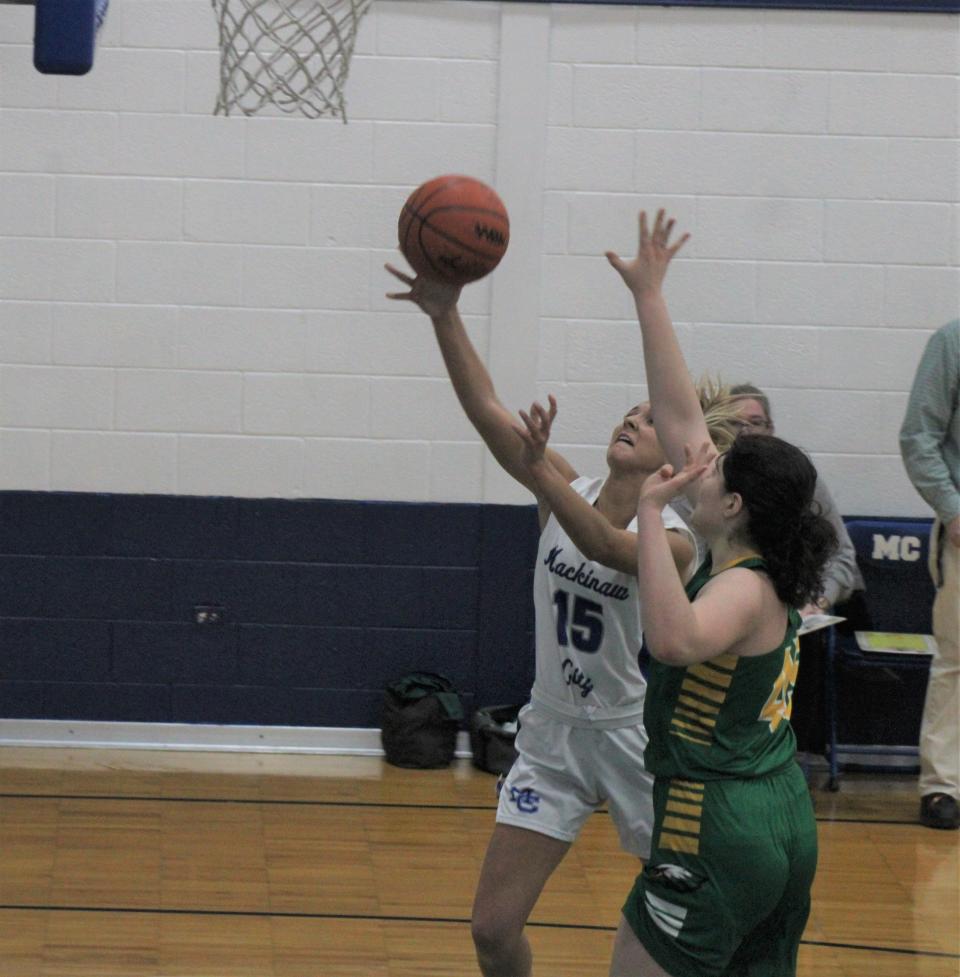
column 706, row 708
column 723, row 717
column 715, row 695
column 703, row 722
column 707, row 672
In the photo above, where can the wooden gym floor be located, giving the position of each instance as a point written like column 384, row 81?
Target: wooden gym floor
column 138, row 863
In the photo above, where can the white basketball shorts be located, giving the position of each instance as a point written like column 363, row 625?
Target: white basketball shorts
column 564, row 773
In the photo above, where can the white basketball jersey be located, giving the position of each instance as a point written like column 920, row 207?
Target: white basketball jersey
column 588, row 630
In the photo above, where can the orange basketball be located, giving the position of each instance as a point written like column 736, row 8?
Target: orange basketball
column 454, row 228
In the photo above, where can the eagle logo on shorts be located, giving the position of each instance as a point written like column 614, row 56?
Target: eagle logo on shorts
column 674, row 877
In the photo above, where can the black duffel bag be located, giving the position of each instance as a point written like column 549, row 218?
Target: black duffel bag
column 421, row 715
column 492, row 732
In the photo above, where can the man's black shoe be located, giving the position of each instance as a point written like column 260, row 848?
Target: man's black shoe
column 939, row 811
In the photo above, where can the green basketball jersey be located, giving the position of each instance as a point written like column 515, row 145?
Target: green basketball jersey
column 726, row 717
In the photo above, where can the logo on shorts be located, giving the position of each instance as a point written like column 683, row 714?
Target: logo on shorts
column 674, row 877
column 526, row 799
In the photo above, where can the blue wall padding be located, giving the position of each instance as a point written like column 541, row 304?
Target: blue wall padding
column 64, row 36
column 325, row 602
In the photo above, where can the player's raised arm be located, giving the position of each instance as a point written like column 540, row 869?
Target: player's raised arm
column 677, row 415
column 470, row 377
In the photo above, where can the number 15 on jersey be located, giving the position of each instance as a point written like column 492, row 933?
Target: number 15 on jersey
column 584, row 630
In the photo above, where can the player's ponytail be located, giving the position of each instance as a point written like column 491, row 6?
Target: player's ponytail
column 776, row 481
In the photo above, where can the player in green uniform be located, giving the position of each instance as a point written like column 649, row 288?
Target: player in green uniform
column 726, row 890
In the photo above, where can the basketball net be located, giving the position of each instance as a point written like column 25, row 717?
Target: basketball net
column 294, row 54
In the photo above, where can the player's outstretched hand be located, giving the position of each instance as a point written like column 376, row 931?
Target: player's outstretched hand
column 645, row 273
column 665, row 484
column 535, row 432
column 434, row 297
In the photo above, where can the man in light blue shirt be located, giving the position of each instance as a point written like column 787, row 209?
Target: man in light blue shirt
column 930, row 447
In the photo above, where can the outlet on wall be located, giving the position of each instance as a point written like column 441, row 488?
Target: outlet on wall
column 208, row 614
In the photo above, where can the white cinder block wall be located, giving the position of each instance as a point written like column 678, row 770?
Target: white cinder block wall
column 195, row 304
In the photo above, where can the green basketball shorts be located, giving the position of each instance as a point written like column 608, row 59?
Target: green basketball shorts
column 726, row 890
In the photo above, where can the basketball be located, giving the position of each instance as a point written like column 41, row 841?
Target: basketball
column 454, row 228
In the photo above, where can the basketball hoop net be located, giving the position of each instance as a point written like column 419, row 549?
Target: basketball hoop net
column 294, row 54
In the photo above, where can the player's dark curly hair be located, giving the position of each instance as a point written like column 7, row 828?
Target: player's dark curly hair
column 776, row 481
